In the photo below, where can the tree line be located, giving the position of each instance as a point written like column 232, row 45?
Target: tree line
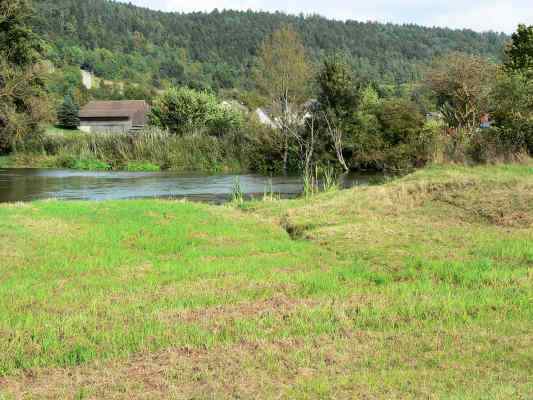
column 217, row 50
column 463, row 107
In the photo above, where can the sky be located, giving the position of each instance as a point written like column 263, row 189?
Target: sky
column 479, row 15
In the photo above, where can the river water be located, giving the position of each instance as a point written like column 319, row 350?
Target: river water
column 34, row 184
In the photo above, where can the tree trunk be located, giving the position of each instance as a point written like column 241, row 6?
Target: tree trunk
column 285, row 153
column 341, row 159
column 285, row 112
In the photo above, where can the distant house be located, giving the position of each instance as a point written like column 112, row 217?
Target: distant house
column 113, row 116
column 264, row 117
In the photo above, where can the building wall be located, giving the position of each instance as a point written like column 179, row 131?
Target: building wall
column 105, row 127
column 87, row 79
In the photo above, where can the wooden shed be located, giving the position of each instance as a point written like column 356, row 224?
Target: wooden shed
column 113, row 116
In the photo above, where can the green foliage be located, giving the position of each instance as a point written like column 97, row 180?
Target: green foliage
column 89, row 165
column 283, row 72
column 237, row 195
column 186, row 111
column 5, row 161
column 120, row 41
column 68, row 114
column 400, row 121
column 22, row 97
column 20, row 46
column 367, row 131
column 337, row 88
column 519, row 53
column 462, row 84
column 512, row 112
column 62, row 82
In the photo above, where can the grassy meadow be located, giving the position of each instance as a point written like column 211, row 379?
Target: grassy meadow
column 418, row 288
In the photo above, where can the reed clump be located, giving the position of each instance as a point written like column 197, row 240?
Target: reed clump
column 151, row 149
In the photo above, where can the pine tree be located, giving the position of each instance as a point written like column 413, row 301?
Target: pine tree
column 68, row 114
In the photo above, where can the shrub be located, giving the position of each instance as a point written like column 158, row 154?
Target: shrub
column 186, row 111
column 406, row 138
column 512, row 110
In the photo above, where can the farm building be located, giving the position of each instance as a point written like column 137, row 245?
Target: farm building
column 113, row 116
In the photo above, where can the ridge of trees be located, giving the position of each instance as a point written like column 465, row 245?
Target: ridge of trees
column 217, row 49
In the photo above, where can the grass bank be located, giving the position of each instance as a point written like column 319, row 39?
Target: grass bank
column 419, row 288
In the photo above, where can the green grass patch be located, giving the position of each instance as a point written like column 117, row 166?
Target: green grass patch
column 88, row 164
column 417, row 288
column 139, row 166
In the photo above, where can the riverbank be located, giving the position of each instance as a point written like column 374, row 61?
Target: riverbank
column 420, row 287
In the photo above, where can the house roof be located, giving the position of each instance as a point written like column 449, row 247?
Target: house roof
column 135, row 110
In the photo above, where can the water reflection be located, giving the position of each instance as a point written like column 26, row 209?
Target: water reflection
column 33, row 184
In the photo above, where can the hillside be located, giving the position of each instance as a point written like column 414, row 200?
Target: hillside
column 122, row 41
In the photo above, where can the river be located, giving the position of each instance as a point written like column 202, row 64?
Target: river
column 35, row 184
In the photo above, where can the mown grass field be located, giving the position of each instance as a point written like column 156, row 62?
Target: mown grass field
column 419, row 288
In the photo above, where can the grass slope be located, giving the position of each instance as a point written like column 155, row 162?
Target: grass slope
column 421, row 287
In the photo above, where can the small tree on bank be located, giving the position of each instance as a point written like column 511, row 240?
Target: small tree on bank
column 283, row 74
column 68, row 114
column 339, row 101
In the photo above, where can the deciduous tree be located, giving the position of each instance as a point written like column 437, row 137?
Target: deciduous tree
column 283, row 74
column 338, row 98
column 462, row 84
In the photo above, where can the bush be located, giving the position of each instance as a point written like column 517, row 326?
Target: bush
column 261, row 145
column 393, row 136
column 499, row 144
column 512, row 110
column 186, row 111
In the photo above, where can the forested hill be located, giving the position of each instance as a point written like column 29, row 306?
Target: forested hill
column 122, row 41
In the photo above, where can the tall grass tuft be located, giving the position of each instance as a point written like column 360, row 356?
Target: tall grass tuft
column 310, row 184
column 268, row 193
column 330, row 179
column 319, row 179
column 237, row 195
